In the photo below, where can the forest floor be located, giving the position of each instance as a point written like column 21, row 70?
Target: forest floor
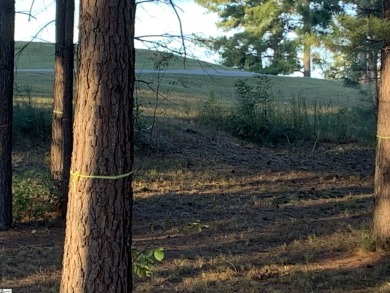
column 231, row 216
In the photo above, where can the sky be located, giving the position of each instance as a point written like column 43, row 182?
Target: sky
column 151, row 19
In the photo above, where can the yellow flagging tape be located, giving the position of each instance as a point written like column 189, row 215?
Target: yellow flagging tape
column 383, row 137
column 76, row 175
column 58, row 112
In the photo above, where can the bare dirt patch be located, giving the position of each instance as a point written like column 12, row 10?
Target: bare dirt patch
column 233, row 217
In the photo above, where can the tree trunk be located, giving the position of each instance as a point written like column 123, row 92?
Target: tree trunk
column 61, row 143
column 374, row 77
column 307, row 27
column 97, row 253
column 380, row 232
column 7, row 45
column 363, row 71
column 306, row 60
column 372, row 66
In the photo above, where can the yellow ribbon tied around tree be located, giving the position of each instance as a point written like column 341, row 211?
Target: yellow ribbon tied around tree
column 380, row 137
column 76, row 175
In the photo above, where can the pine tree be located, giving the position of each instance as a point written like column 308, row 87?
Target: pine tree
column 380, row 232
column 97, row 250
column 282, row 27
column 357, row 38
column 61, row 144
column 7, row 44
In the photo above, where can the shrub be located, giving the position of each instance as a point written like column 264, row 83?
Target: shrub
column 250, row 119
column 212, row 113
column 34, row 196
column 31, row 121
column 258, row 116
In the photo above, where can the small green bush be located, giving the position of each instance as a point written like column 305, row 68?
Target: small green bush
column 31, row 121
column 260, row 117
column 212, row 113
column 143, row 262
column 34, row 196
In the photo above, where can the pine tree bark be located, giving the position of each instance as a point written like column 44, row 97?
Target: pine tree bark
column 7, row 45
column 380, row 232
column 61, row 143
column 97, row 248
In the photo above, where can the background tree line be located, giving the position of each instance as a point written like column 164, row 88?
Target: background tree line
column 342, row 38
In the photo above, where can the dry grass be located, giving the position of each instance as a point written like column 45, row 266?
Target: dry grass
column 284, row 219
column 288, row 219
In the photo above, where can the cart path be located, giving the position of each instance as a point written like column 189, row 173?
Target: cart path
column 210, row 71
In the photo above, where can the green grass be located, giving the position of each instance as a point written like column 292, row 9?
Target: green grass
column 34, row 84
column 166, row 95
column 34, row 55
column 40, row 84
column 38, row 55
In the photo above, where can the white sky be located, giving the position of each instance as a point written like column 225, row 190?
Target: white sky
column 152, row 19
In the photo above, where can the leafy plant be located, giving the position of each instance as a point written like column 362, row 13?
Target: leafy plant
column 198, row 226
column 33, row 196
column 251, row 117
column 144, row 261
column 31, row 121
column 259, row 117
column 212, row 113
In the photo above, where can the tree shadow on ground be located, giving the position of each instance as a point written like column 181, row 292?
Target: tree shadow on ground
column 273, row 222
column 261, row 244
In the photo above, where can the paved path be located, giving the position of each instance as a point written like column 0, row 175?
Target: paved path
column 209, row 71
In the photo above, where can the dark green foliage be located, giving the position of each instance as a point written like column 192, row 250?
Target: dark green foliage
column 271, row 33
column 31, row 121
column 356, row 40
column 212, row 113
column 250, row 117
column 347, row 82
column 143, row 262
column 34, row 196
column 246, row 51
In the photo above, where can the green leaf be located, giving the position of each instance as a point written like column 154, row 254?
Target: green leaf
column 149, row 253
column 159, row 254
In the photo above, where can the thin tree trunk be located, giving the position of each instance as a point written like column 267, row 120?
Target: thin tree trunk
column 61, row 144
column 372, row 66
column 7, row 45
column 306, row 60
column 97, row 248
column 381, row 219
column 363, row 71
column 307, row 27
column 374, row 74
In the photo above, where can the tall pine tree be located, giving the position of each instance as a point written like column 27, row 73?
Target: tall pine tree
column 357, row 38
column 61, row 144
column 98, row 224
column 7, row 44
column 380, row 232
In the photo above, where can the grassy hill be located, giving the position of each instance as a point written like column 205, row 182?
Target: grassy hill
column 41, row 56
column 38, row 55
column 321, row 105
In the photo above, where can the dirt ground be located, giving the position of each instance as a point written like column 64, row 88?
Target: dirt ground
column 233, row 217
